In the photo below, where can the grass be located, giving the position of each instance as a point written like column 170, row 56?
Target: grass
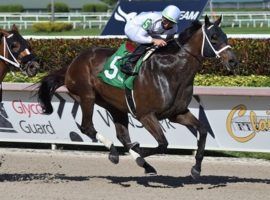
column 265, row 156
column 246, row 30
column 236, row 154
column 232, row 81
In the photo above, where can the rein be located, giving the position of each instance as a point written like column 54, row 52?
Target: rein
column 181, row 47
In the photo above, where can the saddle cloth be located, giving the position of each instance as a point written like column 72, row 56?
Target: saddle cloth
column 111, row 73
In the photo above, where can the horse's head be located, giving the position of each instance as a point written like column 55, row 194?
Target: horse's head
column 215, row 44
column 17, row 52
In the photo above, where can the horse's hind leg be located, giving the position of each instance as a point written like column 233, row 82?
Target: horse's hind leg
column 87, row 101
column 188, row 119
column 121, row 126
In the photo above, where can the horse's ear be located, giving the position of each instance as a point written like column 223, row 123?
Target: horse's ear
column 218, row 21
column 3, row 32
column 14, row 28
column 207, row 21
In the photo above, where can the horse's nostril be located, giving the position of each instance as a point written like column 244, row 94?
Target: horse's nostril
column 233, row 63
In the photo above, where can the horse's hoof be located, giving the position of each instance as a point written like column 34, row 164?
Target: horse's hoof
column 195, row 174
column 113, row 155
column 149, row 170
column 114, row 158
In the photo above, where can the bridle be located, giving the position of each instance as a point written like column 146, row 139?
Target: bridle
column 15, row 63
column 205, row 36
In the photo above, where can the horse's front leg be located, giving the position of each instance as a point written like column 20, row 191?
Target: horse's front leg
column 87, row 102
column 188, row 119
column 151, row 123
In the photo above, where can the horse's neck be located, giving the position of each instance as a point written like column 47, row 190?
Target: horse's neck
column 190, row 59
column 3, row 71
column 194, row 45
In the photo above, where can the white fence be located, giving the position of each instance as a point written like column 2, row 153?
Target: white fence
column 244, row 19
column 99, row 20
column 78, row 20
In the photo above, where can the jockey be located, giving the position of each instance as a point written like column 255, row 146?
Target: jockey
column 146, row 29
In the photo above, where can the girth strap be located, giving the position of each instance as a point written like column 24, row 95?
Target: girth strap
column 130, row 101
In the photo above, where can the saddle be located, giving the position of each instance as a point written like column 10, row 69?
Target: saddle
column 111, row 73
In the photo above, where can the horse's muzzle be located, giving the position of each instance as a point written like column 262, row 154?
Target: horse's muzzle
column 229, row 60
column 31, row 68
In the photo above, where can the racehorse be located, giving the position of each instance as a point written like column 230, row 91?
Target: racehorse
column 163, row 89
column 15, row 51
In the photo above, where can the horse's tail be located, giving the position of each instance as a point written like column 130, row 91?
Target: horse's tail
column 47, row 88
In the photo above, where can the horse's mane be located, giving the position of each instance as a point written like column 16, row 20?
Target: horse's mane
column 184, row 36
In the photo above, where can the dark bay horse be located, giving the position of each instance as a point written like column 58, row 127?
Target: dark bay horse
column 15, row 52
column 163, row 89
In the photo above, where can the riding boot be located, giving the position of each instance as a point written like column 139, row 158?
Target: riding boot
column 128, row 66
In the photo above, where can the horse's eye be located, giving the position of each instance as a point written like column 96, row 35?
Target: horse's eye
column 15, row 46
column 214, row 39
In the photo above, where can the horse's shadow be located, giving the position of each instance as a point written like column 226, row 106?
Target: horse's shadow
column 147, row 181
column 175, row 182
column 44, row 177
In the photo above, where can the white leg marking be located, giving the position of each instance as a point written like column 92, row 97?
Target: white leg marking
column 134, row 154
column 104, row 140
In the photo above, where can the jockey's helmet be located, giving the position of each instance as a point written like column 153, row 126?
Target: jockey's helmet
column 172, row 13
